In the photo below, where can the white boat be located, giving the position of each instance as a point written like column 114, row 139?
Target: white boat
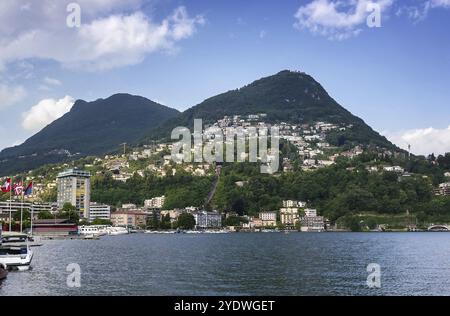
column 95, row 230
column 114, row 231
column 15, row 252
column 101, row 230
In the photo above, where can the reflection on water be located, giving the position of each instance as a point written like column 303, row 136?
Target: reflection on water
column 240, row 264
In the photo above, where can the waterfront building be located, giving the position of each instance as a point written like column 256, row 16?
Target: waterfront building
column 129, row 218
column 205, row 220
column 311, row 222
column 269, row 219
column 100, row 211
column 54, row 227
column 289, row 216
column 156, row 202
column 34, row 208
column 74, row 187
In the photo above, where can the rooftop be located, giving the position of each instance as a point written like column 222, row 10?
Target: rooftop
column 74, row 173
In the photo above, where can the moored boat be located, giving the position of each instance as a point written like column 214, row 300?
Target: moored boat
column 3, row 271
column 15, row 252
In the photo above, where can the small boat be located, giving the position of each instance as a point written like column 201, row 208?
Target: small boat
column 15, row 252
column 3, row 271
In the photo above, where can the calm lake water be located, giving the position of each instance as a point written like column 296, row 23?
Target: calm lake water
column 240, row 264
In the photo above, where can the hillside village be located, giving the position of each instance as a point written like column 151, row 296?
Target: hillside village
column 311, row 152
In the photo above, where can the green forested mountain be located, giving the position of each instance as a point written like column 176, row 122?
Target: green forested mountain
column 93, row 128
column 90, row 128
column 288, row 96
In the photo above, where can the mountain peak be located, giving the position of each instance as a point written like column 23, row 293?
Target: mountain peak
column 90, row 128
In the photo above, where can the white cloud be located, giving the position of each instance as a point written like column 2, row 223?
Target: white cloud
column 439, row 3
column 10, row 95
column 45, row 112
column 52, row 81
column 108, row 37
column 336, row 19
column 262, row 34
column 420, row 12
column 423, row 141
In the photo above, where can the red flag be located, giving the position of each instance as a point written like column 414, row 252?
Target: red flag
column 6, row 187
column 18, row 188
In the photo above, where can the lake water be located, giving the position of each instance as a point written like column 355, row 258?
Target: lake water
column 240, row 264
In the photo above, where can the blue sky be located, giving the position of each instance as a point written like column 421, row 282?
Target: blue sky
column 396, row 77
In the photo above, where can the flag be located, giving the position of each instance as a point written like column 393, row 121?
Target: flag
column 18, row 188
column 29, row 189
column 6, row 187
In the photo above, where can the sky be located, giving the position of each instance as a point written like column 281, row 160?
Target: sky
column 386, row 61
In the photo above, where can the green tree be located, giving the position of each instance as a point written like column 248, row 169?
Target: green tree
column 186, row 221
column 69, row 212
column 45, row 215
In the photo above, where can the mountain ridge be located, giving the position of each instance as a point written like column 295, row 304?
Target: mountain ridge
column 288, row 96
column 89, row 128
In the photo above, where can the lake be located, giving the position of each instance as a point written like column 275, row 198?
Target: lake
column 240, row 264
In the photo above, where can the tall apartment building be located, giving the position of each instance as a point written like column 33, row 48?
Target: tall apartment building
column 74, row 187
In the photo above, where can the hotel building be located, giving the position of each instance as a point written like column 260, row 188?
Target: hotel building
column 74, row 187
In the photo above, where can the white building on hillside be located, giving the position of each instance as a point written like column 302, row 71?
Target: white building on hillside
column 156, row 202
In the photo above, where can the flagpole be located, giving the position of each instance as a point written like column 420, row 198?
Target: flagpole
column 10, row 203
column 21, row 210
column 32, row 209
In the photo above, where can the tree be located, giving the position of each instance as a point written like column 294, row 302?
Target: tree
column 165, row 222
column 153, row 221
column 100, row 221
column 232, row 221
column 186, row 221
column 69, row 212
column 45, row 215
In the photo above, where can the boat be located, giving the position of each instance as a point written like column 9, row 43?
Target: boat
column 114, row 231
column 93, row 230
column 3, row 271
column 15, row 251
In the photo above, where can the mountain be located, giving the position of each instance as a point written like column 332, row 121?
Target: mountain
column 288, row 96
column 90, row 128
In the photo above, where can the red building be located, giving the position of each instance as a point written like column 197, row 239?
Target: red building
column 54, row 227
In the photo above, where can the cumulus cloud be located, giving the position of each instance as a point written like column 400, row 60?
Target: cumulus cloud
column 423, row 141
column 45, row 112
column 10, row 95
column 336, row 19
column 113, row 33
